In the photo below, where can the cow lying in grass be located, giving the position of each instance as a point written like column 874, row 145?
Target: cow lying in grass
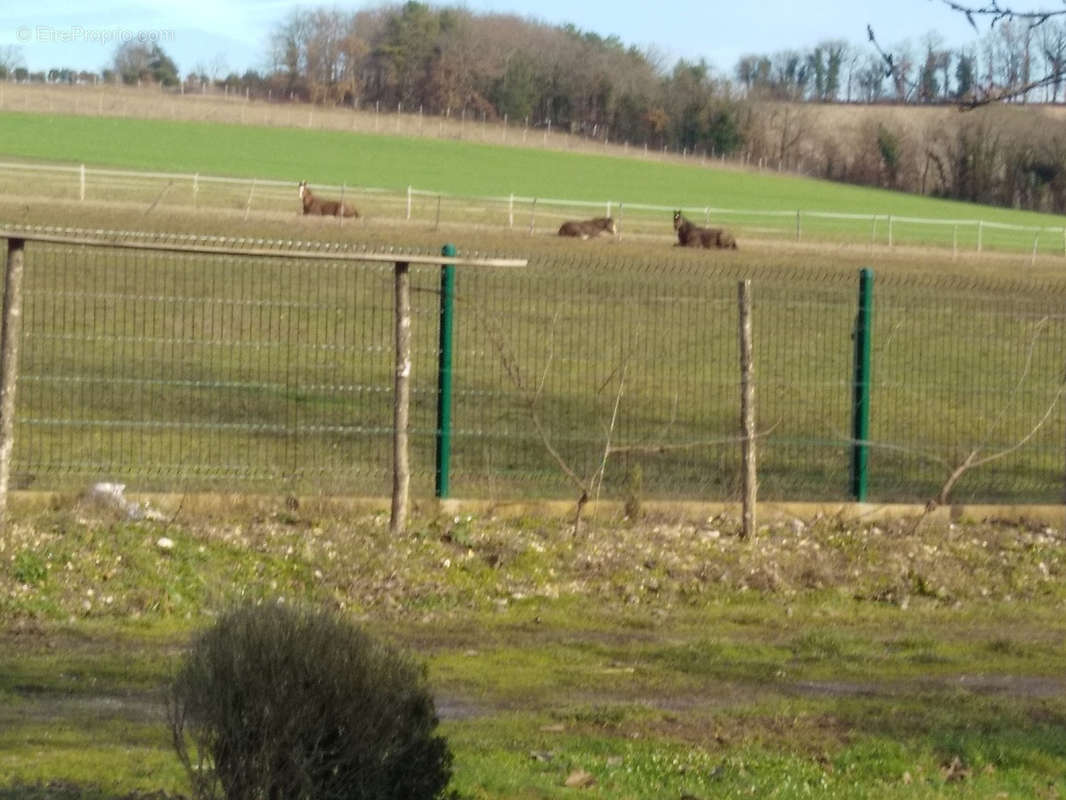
column 689, row 235
column 589, row 228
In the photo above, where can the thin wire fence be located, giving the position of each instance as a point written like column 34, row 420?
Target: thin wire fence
column 156, row 191
column 195, row 370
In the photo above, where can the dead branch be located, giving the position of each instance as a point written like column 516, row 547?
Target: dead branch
column 667, row 448
column 994, row 13
column 597, row 477
column 1011, row 92
column 511, row 367
column 1021, row 378
column 972, row 461
column 593, row 485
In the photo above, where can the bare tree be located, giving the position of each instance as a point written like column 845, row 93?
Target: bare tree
column 1016, row 79
column 531, row 393
column 1053, row 49
column 982, row 453
column 10, row 60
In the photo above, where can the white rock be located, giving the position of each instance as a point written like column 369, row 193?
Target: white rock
column 165, row 544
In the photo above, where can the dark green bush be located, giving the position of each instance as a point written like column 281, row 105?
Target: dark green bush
column 274, row 703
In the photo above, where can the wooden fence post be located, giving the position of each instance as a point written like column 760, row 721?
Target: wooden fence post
column 747, row 409
column 10, row 333
column 401, row 466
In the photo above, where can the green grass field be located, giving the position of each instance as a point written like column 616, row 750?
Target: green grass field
column 451, row 167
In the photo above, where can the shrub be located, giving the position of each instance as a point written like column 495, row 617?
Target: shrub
column 274, row 703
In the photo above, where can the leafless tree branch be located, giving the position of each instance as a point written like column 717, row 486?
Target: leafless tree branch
column 597, row 478
column 510, row 366
column 653, row 449
column 994, row 13
column 974, row 459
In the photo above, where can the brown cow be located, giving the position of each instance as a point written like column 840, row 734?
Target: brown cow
column 327, row 208
column 589, row 228
column 689, row 235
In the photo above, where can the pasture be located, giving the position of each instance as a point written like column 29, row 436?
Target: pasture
column 193, row 372
column 658, row 653
column 451, row 167
column 223, row 362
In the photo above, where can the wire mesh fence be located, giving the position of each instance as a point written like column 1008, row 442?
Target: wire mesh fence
column 195, row 370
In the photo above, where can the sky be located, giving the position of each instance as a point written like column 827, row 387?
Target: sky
column 223, row 36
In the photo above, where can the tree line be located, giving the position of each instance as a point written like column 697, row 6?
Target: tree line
column 450, row 61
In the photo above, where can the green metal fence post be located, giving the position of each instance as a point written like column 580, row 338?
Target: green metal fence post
column 444, row 372
column 861, row 409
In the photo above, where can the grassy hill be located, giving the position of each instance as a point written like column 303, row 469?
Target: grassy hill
column 452, row 167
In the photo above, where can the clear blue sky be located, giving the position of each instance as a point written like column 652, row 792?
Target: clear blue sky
column 232, row 35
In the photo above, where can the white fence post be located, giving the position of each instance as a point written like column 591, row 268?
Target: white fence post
column 890, row 230
column 81, row 191
column 248, row 207
column 510, row 214
column 608, row 208
column 195, row 188
column 408, row 202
